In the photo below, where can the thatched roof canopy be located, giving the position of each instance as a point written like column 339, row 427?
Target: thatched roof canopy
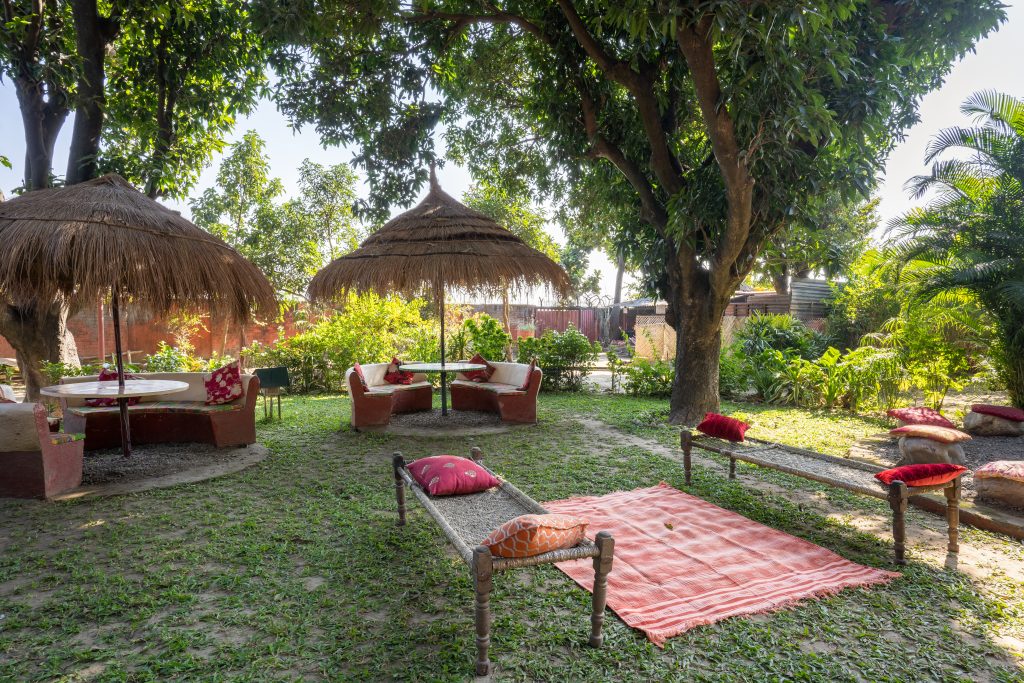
column 79, row 242
column 438, row 243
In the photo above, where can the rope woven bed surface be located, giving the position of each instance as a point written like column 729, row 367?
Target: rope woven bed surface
column 476, row 515
column 851, row 475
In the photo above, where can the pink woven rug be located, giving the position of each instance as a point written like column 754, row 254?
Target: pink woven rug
column 682, row 562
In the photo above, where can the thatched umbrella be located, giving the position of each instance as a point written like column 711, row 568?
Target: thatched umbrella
column 104, row 237
column 440, row 243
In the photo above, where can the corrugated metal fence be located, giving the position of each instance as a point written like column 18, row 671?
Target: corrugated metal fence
column 559, row 319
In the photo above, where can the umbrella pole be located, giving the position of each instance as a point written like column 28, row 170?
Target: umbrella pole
column 444, row 375
column 122, row 401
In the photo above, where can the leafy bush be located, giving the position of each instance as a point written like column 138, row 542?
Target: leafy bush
column 649, row 378
column 780, row 332
column 486, row 336
column 52, row 372
column 564, row 357
column 179, row 359
column 368, row 329
column 733, row 379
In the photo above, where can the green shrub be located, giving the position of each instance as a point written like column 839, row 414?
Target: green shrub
column 486, row 336
column 564, row 357
column 649, row 378
column 368, row 329
column 780, row 332
column 177, row 359
column 52, row 372
column 733, row 379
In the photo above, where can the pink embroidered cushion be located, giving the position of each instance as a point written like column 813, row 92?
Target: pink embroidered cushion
column 940, row 434
column 107, row 375
column 728, row 428
column 1005, row 412
column 924, row 474
column 529, row 535
column 479, row 375
column 358, row 369
column 920, row 415
column 224, row 385
column 392, row 375
column 529, row 376
column 450, row 475
column 1001, row 469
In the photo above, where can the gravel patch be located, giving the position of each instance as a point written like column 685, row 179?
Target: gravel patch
column 152, row 460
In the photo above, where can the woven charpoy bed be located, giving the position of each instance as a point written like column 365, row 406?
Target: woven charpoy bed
column 851, row 475
column 467, row 520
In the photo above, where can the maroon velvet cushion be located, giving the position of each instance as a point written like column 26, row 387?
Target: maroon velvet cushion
column 529, row 376
column 919, row 415
column 728, row 428
column 925, row 474
column 1005, row 412
column 392, row 375
column 358, row 369
column 479, row 375
column 107, row 375
column 450, row 475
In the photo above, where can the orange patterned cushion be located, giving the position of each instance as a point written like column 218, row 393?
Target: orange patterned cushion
column 531, row 535
column 940, row 434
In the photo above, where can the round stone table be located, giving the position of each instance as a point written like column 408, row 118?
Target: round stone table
column 444, row 369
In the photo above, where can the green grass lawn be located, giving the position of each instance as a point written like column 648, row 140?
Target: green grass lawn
column 295, row 569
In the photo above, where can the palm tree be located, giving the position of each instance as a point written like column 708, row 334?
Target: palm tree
column 969, row 238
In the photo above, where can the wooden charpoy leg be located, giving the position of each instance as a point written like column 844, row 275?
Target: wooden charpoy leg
column 602, row 566
column 898, row 503
column 686, row 443
column 482, row 573
column 953, row 515
column 732, row 467
column 397, row 463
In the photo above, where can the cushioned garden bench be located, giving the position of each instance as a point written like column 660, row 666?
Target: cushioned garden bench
column 843, row 473
column 374, row 406
column 467, row 520
column 34, row 462
column 501, row 394
column 174, row 418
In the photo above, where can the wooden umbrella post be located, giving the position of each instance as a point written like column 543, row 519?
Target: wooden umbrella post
column 122, row 401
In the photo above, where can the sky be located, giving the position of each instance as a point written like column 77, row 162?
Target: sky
column 995, row 65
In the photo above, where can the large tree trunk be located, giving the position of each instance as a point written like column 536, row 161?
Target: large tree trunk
column 38, row 335
column 92, row 35
column 42, row 121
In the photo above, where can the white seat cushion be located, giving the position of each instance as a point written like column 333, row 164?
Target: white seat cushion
column 392, row 388
column 493, row 387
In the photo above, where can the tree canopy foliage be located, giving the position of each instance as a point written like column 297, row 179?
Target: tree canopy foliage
column 710, row 121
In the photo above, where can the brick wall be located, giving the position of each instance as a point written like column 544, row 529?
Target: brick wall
column 142, row 333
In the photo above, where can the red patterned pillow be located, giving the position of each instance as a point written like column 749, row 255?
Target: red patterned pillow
column 728, row 428
column 358, row 369
column 920, row 416
column 925, row 474
column 450, row 475
column 107, row 375
column 479, row 375
column 529, row 535
column 940, row 434
column 224, row 385
column 1005, row 412
column 529, row 376
column 392, row 375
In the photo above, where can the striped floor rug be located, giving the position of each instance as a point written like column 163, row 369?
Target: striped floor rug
column 682, row 562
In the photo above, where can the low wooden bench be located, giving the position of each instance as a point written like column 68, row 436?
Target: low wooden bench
column 467, row 519
column 851, row 475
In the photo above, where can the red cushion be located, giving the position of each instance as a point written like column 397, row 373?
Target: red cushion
column 359, row 373
column 723, row 427
column 392, row 375
column 479, row 375
column 529, row 376
column 925, row 474
column 107, row 375
column 1005, row 412
column 224, row 384
column 450, row 475
column 920, row 415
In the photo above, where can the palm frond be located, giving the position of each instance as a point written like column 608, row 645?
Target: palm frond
column 999, row 111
